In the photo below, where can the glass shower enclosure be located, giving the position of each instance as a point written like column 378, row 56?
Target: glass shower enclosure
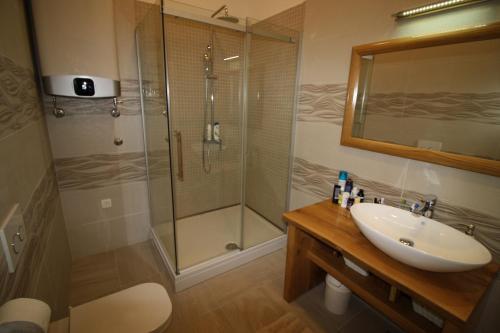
column 218, row 105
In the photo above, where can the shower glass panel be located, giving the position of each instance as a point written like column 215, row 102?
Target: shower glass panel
column 271, row 90
column 205, row 74
column 218, row 147
column 151, row 66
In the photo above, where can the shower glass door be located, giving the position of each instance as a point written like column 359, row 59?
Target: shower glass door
column 272, row 75
column 205, row 75
column 151, row 67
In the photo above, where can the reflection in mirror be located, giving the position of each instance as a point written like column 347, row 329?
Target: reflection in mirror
column 444, row 98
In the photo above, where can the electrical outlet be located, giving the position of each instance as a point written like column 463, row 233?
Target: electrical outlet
column 106, row 203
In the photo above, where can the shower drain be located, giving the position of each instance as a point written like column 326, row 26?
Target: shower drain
column 232, row 246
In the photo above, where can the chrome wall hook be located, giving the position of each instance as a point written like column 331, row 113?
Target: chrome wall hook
column 115, row 113
column 57, row 112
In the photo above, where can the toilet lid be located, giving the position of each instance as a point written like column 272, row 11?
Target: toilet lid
column 143, row 308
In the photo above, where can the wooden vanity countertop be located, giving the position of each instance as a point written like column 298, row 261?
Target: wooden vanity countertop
column 454, row 295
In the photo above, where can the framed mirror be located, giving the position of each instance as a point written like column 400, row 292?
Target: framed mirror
column 433, row 98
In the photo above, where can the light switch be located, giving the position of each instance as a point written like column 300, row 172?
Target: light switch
column 13, row 237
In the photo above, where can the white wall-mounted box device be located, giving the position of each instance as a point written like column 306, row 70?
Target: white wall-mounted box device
column 13, row 237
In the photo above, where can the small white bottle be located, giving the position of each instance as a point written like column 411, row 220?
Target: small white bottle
column 217, row 132
column 209, row 132
column 345, row 198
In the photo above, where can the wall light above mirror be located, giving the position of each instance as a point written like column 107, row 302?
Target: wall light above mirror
column 433, row 98
column 434, row 7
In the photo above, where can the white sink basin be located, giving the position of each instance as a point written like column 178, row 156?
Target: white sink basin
column 430, row 245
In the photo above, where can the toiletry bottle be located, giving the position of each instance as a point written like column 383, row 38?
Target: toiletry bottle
column 209, row 132
column 336, row 193
column 361, row 195
column 345, row 199
column 350, row 201
column 348, row 185
column 342, row 178
column 354, row 196
column 217, row 132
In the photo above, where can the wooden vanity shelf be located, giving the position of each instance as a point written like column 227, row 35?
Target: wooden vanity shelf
column 319, row 235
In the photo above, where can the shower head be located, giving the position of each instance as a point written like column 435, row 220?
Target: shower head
column 226, row 17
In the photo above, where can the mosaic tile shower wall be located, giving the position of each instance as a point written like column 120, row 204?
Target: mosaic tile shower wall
column 186, row 42
column 271, row 98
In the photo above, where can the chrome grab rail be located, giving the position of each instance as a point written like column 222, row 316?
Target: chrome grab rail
column 180, row 162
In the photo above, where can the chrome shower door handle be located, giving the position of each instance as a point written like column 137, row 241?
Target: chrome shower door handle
column 180, row 162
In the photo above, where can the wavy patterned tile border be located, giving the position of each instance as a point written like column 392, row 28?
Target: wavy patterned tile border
column 99, row 170
column 128, row 103
column 480, row 108
column 159, row 164
column 38, row 215
column 19, row 101
column 326, row 103
column 322, row 103
column 317, row 180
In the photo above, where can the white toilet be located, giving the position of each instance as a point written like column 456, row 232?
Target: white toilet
column 143, row 308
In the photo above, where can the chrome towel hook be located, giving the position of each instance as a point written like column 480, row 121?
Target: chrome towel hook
column 115, row 113
column 57, row 112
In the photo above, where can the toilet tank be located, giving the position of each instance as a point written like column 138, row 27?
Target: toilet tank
column 77, row 47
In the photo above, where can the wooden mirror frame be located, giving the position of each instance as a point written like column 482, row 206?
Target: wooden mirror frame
column 477, row 164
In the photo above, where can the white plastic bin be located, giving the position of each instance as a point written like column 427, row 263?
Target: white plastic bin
column 337, row 296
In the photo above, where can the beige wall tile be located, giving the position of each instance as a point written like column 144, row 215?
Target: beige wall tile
column 129, row 229
column 105, row 235
column 82, row 135
column 25, row 158
column 125, row 42
column 90, row 238
column 27, row 173
column 320, row 143
column 326, row 55
column 463, row 196
column 14, row 44
column 84, row 206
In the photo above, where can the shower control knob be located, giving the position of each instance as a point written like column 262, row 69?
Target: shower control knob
column 118, row 141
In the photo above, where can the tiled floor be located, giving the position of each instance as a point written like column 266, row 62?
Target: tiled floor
column 204, row 236
column 246, row 299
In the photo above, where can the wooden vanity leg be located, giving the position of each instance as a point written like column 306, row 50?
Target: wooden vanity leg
column 300, row 274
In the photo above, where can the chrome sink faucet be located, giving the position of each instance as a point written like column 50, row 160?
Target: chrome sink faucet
column 426, row 208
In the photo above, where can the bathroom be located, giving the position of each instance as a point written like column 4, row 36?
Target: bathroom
column 212, row 121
